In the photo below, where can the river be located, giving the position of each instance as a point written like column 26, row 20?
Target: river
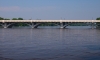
column 73, row 43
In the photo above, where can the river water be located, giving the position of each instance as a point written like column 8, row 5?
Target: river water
column 72, row 43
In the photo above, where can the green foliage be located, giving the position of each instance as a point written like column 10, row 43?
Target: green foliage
column 47, row 24
column 6, row 19
column 98, row 24
column 78, row 24
column 20, row 24
column 17, row 18
column 98, row 18
column 20, row 18
column 1, row 18
column 14, row 19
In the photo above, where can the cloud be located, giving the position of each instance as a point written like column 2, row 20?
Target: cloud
column 11, row 8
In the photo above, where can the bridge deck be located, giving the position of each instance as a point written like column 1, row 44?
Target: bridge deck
column 49, row 20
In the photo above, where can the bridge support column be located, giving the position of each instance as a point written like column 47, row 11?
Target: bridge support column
column 6, row 25
column 33, row 24
column 92, row 25
column 63, row 24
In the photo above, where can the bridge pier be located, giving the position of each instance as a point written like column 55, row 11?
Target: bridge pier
column 92, row 25
column 6, row 25
column 33, row 24
column 63, row 25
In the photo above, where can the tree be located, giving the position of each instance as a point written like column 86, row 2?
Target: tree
column 1, row 18
column 98, row 18
column 98, row 23
column 6, row 19
column 17, row 18
column 14, row 19
column 20, row 18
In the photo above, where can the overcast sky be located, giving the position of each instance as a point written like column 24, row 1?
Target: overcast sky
column 50, row 9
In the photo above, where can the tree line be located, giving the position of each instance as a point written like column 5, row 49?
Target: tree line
column 1, row 18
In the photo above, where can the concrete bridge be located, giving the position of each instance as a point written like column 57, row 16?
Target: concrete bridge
column 36, row 23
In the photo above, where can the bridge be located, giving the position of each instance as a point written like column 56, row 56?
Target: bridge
column 36, row 23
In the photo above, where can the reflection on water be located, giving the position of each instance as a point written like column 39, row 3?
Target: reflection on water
column 50, row 44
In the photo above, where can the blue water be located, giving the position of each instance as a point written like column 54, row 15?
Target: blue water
column 50, row 44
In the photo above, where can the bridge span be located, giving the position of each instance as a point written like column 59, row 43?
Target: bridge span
column 36, row 23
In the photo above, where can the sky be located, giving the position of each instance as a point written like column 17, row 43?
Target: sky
column 50, row 9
